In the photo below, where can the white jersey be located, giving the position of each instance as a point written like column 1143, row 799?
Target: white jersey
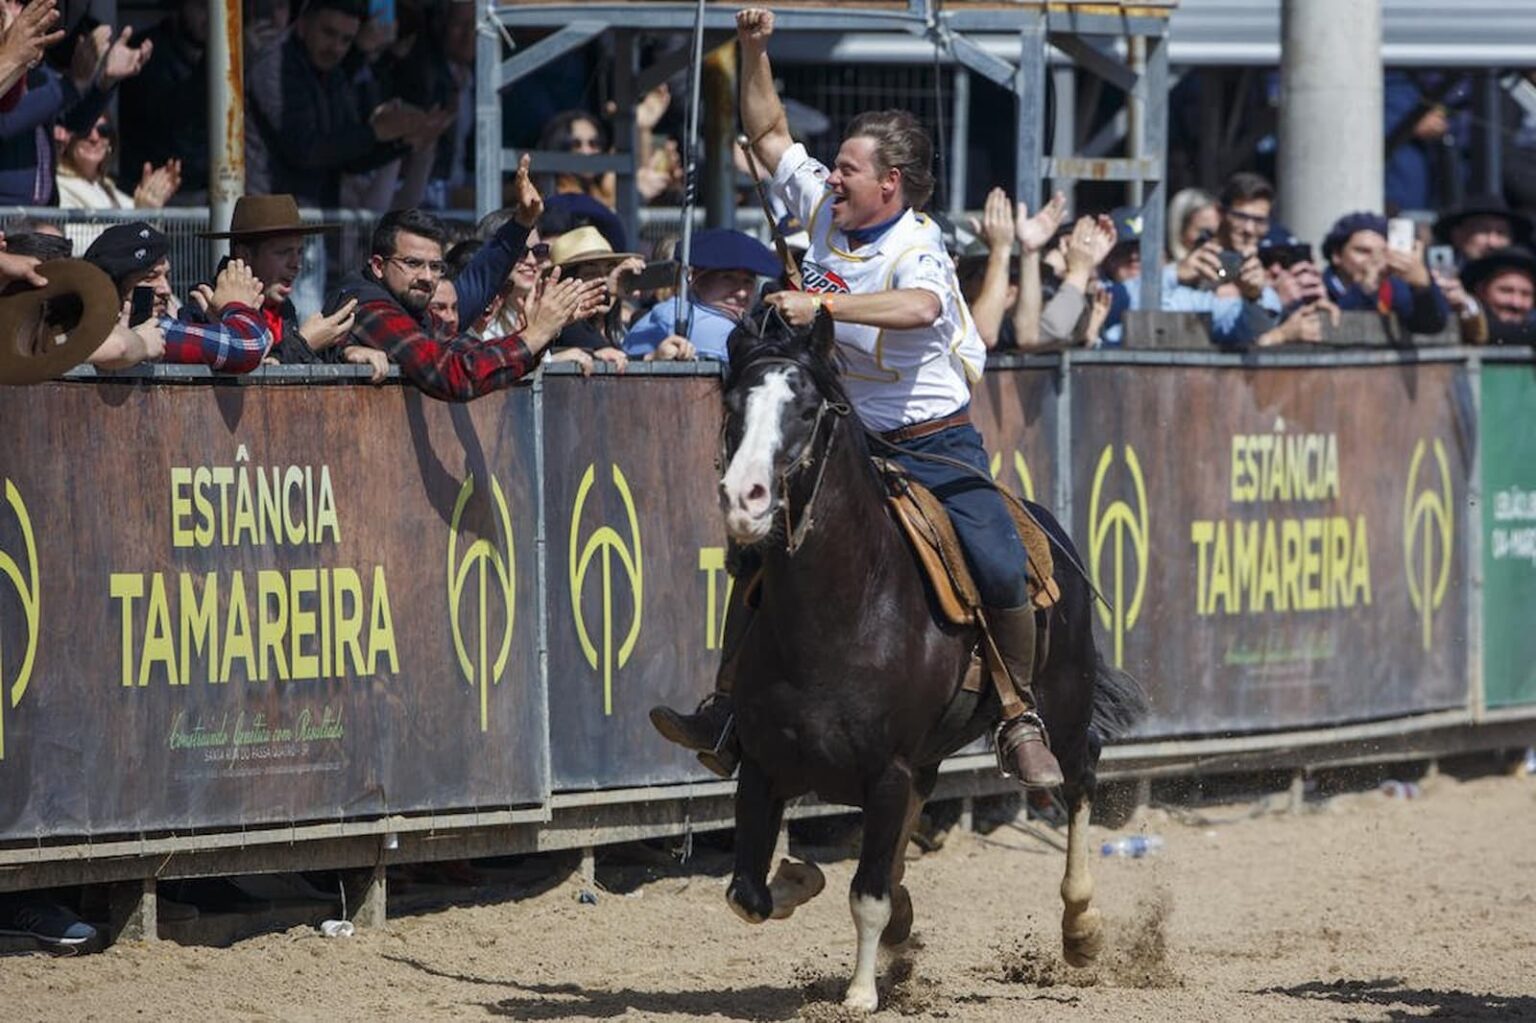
column 895, row 377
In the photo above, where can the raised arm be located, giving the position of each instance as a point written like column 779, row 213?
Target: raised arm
column 762, row 115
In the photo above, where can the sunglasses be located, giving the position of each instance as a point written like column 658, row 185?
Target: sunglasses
column 539, row 251
column 103, row 131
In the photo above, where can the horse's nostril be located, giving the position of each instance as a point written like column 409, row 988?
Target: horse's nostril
column 757, row 495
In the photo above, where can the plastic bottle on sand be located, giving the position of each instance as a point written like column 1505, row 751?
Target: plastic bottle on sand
column 1394, row 789
column 1132, row 846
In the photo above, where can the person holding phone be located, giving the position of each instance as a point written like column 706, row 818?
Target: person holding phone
column 1365, row 273
column 234, row 339
column 722, row 285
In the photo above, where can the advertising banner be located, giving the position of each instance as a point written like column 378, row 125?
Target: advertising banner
column 225, row 606
column 1509, row 534
column 1278, row 547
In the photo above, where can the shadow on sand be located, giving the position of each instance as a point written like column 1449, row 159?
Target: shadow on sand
column 1406, row 1003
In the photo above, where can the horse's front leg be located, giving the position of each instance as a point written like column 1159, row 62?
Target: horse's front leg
column 886, row 807
column 758, row 818
column 1082, row 926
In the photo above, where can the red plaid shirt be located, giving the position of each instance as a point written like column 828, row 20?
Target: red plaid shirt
column 453, row 370
column 236, row 343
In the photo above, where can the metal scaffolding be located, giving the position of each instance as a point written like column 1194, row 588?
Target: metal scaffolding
column 1088, row 33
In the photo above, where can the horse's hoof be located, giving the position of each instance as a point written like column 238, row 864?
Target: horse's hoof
column 900, row 928
column 793, row 885
column 752, row 906
column 860, row 1000
column 1082, row 938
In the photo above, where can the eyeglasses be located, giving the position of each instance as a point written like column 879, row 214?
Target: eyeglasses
column 416, row 265
column 1249, row 218
column 585, row 145
column 539, row 251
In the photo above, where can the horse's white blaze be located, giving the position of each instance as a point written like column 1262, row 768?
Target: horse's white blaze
column 747, row 489
column 870, row 916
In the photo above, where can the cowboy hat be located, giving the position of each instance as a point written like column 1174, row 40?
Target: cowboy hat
column 29, row 354
column 263, row 216
column 585, row 245
column 1496, row 262
column 1483, row 206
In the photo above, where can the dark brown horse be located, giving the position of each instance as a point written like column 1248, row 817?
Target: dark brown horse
column 848, row 685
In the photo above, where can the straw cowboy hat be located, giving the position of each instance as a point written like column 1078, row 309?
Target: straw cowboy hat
column 585, row 245
column 265, row 216
column 31, row 352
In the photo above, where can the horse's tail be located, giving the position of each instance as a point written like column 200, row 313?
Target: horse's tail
column 1119, row 702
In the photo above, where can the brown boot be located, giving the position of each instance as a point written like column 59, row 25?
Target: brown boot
column 711, row 729
column 1023, row 748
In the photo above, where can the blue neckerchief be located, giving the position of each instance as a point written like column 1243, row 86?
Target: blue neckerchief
column 866, row 235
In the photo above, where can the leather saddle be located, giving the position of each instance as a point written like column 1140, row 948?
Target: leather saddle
column 928, row 528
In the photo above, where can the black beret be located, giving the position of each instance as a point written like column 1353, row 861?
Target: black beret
column 128, row 248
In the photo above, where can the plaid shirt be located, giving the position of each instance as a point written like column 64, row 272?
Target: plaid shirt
column 457, row 369
column 236, row 343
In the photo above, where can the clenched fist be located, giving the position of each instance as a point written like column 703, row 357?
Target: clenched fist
column 753, row 26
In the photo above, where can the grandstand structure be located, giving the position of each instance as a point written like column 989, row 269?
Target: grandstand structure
column 1093, row 35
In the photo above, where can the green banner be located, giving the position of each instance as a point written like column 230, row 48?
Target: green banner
column 1509, row 534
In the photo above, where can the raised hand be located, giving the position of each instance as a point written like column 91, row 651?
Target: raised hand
column 754, row 25
column 996, row 224
column 236, row 284
column 157, row 185
column 652, row 107
column 527, row 203
column 27, row 35
column 558, row 304
column 320, row 331
column 123, row 61
column 1035, row 232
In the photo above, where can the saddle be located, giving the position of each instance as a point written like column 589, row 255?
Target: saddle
column 928, row 528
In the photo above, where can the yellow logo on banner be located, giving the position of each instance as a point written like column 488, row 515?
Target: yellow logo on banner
column 1026, row 481
column 1427, row 537
column 607, row 542
column 25, row 585
column 1124, row 524
column 495, row 570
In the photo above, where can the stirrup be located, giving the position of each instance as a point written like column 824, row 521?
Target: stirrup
column 1004, row 760
column 722, row 760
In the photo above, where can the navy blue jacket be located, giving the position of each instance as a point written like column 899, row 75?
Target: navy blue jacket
column 26, row 134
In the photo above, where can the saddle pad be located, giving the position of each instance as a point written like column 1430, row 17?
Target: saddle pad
column 932, row 535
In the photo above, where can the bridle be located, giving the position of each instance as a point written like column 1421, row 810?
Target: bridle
column 795, row 533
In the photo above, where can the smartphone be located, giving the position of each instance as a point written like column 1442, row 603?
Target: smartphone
column 657, row 275
column 1442, row 259
column 1400, row 234
column 1231, row 264
column 143, row 306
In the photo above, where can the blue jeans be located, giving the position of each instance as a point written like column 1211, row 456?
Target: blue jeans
column 992, row 547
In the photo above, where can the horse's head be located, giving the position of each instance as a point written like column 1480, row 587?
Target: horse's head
column 782, row 386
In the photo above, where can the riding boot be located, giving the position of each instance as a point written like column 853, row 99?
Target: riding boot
column 1023, row 748
column 711, row 728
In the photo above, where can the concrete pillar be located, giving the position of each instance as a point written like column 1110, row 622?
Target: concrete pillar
column 368, row 896
column 1331, row 131
column 719, row 139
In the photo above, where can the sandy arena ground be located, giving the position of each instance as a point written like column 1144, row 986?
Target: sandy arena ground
column 1359, row 908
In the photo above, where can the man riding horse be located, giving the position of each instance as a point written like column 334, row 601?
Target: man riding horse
column 879, row 269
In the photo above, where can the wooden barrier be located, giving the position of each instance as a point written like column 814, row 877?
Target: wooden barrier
column 453, row 619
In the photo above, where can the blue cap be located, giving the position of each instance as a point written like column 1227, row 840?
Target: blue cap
column 1128, row 224
column 723, row 249
column 1278, row 234
column 570, row 210
column 1350, row 224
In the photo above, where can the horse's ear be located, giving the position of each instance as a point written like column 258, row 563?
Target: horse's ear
column 822, row 334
